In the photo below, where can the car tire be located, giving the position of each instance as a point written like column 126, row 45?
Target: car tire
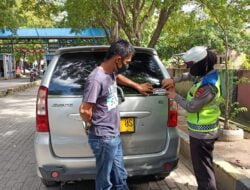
column 162, row 176
column 49, row 183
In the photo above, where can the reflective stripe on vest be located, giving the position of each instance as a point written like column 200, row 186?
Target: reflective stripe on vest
column 203, row 128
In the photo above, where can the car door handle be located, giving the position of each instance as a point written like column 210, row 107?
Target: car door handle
column 75, row 116
column 140, row 114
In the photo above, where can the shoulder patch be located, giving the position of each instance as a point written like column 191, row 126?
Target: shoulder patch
column 199, row 92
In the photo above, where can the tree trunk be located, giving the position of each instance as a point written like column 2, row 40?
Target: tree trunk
column 227, row 101
column 116, row 31
column 163, row 17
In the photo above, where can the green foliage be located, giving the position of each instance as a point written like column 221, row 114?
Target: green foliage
column 28, row 13
column 139, row 21
column 30, row 54
column 9, row 18
column 242, row 80
column 85, row 13
column 175, row 61
column 39, row 13
column 236, row 109
column 199, row 26
column 246, row 62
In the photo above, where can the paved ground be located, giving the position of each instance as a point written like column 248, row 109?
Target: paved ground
column 5, row 84
column 17, row 162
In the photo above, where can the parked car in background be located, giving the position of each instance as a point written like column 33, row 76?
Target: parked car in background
column 148, row 123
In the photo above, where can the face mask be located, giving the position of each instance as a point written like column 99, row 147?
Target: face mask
column 189, row 64
column 123, row 68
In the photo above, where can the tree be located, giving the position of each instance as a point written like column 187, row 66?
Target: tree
column 29, row 53
column 129, row 18
column 9, row 15
column 28, row 13
column 228, row 15
column 190, row 27
column 40, row 13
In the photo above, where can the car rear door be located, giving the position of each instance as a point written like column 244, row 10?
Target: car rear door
column 148, row 113
column 144, row 118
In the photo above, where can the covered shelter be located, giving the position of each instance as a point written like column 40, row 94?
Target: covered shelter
column 50, row 39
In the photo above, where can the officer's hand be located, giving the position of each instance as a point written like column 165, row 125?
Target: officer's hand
column 167, row 83
column 171, row 93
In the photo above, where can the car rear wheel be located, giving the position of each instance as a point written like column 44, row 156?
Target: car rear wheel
column 49, row 183
column 161, row 176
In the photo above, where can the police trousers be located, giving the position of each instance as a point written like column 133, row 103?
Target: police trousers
column 202, row 159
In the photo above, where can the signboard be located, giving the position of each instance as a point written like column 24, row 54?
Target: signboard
column 8, row 66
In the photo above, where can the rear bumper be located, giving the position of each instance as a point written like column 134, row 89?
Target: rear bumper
column 84, row 168
column 79, row 174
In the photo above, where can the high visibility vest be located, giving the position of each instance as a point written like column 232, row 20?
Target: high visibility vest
column 202, row 120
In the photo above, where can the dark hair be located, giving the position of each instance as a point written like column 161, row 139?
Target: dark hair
column 204, row 66
column 120, row 47
column 211, row 59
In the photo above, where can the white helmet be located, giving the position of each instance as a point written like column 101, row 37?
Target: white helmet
column 195, row 54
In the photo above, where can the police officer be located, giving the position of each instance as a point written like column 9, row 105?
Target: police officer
column 202, row 106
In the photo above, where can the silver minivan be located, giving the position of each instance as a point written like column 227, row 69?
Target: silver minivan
column 148, row 123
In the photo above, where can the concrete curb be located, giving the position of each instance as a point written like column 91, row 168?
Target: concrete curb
column 227, row 176
column 18, row 88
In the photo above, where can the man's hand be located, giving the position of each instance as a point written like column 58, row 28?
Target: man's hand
column 85, row 111
column 167, row 83
column 171, row 93
column 145, row 88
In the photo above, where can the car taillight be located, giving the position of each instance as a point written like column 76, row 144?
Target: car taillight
column 42, row 123
column 172, row 113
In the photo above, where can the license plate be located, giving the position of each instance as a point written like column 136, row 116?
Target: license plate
column 127, row 125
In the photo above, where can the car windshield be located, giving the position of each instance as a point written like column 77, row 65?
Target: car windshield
column 72, row 70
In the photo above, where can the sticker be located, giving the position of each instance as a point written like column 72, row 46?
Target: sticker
column 112, row 100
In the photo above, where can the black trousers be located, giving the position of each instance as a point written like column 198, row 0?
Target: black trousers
column 202, row 159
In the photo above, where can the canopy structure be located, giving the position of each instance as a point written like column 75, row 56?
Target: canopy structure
column 51, row 38
column 51, row 33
